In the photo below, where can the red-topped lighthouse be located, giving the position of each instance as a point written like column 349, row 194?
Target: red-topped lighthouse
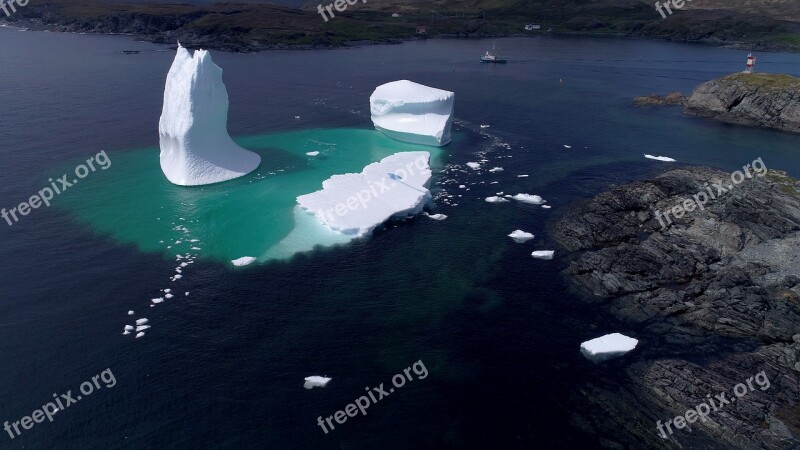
column 751, row 62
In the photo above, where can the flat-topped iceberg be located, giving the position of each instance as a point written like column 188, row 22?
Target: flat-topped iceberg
column 316, row 381
column 412, row 112
column 520, row 236
column 608, row 346
column 195, row 146
column 355, row 203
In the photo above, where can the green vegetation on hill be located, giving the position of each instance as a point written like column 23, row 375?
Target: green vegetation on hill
column 253, row 26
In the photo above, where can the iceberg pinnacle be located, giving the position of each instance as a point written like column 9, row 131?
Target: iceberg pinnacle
column 412, row 112
column 195, row 146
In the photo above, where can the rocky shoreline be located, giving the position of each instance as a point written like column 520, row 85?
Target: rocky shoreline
column 759, row 100
column 718, row 286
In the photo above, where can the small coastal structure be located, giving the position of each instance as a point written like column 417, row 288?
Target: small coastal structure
column 751, row 63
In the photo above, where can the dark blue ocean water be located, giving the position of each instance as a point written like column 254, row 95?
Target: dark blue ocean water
column 497, row 331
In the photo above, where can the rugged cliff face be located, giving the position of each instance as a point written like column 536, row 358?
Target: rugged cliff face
column 764, row 100
column 715, row 291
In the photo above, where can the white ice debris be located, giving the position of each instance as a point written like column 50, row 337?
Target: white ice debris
column 543, row 254
column 312, row 153
column 128, row 328
column 195, row 146
column 412, row 112
column 528, row 198
column 496, row 169
column 142, row 327
column 567, row 146
column 495, row 199
column 316, row 381
column 520, row 236
column 523, row 176
column 608, row 346
column 436, row 216
column 157, row 300
column 354, row 204
column 139, row 334
column 485, row 126
column 473, row 165
column 168, row 296
column 660, row 158
column 141, row 321
column 243, row 261
column 546, row 206
column 130, row 313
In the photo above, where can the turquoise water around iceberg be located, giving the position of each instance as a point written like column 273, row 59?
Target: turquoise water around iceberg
column 251, row 216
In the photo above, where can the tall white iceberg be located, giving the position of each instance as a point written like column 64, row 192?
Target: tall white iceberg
column 412, row 112
column 195, row 146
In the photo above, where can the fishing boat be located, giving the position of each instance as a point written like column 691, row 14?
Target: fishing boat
column 491, row 57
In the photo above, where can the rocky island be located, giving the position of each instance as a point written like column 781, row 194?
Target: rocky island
column 716, row 289
column 763, row 100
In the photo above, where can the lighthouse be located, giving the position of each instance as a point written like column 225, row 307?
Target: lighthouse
column 751, row 62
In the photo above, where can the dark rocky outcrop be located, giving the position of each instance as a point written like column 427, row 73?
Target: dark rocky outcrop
column 718, row 287
column 764, row 100
column 672, row 99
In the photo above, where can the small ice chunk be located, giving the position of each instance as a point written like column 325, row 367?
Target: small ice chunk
column 177, row 277
column 546, row 206
column 142, row 327
column 312, row 153
column 473, row 165
column 523, row 176
column 567, row 146
column 128, row 328
column 660, row 158
column 141, row 321
column 316, row 381
column 436, row 216
column 485, row 126
column 126, row 332
column 496, row 199
column 243, row 261
column 528, row 198
column 520, row 236
column 187, row 294
column 130, row 313
column 607, row 347
column 157, row 300
column 168, row 296
column 543, row 254
column 139, row 334
column 496, row 169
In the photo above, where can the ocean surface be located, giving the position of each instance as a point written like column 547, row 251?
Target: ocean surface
column 496, row 331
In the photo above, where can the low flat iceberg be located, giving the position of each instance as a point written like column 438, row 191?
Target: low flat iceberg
column 243, row 261
column 316, row 381
column 520, row 236
column 528, row 198
column 543, row 254
column 195, row 146
column 412, row 112
column 354, row 204
column 609, row 346
column 660, row 158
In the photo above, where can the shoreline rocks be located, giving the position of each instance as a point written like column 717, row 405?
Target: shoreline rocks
column 717, row 291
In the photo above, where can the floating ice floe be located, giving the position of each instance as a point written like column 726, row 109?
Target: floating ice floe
column 168, row 296
column 485, row 126
column 528, row 198
column 496, row 169
column 354, row 204
column 543, row 254
column 412, row 112
column 243, row 261
column 139, row 334
column 496, row 199
column 195, row 146
column 157, row 300
column 520, row 236
column 473, row 165
column 607, row 347
column 546, row 206
column 436, row 216
column 660, row 158
column 128, row 329
column 523, row 176
column 567, row 146
column 316, row 381
column 142, row 327
column 312, row 153
column 141, row 321
column 130, row 313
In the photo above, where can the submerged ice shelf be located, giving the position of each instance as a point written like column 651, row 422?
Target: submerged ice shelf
column 413, row 112
column 195, row 146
